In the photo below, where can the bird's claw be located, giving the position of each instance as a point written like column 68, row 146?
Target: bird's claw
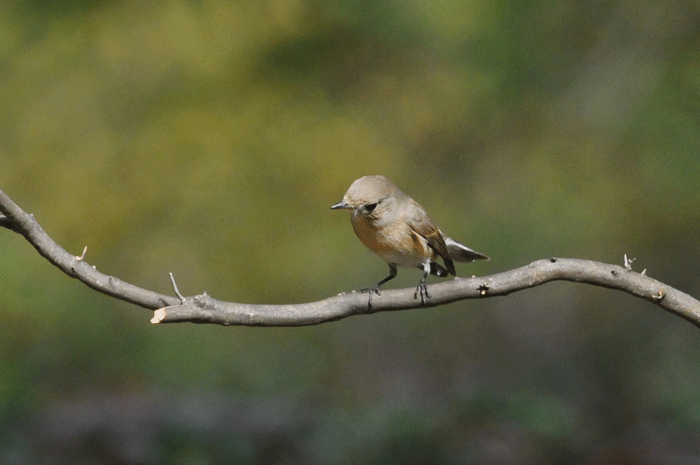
column 370, row 291
column 422, row 289
column 374, row 289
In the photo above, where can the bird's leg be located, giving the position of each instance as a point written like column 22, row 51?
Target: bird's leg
column 392, row 274
column 375, row 288
column 422, row 286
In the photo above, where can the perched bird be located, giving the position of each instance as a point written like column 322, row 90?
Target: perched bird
column 395, row 227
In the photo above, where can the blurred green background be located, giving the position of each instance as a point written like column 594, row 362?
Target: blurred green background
column 209, row 139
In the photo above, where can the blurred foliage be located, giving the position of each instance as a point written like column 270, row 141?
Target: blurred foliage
column 209, row 138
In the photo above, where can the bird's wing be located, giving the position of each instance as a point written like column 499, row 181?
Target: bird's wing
column 421, row 224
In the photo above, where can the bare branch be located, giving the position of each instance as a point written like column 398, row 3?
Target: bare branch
column 204, row 309
column 24, row 223
column 6, row 222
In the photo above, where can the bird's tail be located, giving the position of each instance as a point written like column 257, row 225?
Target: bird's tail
column 462, row 253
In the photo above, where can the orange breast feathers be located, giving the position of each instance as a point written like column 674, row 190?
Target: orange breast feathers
column 394, row 241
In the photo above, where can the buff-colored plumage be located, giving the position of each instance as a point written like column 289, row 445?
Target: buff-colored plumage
column 397, row 228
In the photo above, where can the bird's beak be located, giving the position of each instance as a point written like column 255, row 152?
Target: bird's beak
column 342, row 205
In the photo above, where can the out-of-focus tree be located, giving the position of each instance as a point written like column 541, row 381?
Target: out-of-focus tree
column 209, row 138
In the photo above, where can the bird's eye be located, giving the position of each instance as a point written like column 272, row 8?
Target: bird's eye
column 370, row 207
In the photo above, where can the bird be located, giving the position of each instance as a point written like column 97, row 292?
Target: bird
column 395, row 227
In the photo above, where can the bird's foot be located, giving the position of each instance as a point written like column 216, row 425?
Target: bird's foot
column 422, row 289
column 370, row 291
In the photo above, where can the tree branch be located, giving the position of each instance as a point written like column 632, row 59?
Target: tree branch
column 24, row 223
column 204, row 309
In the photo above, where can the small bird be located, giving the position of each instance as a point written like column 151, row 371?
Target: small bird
column 395, row 227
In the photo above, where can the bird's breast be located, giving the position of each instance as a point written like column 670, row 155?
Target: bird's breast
column 394, row 242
